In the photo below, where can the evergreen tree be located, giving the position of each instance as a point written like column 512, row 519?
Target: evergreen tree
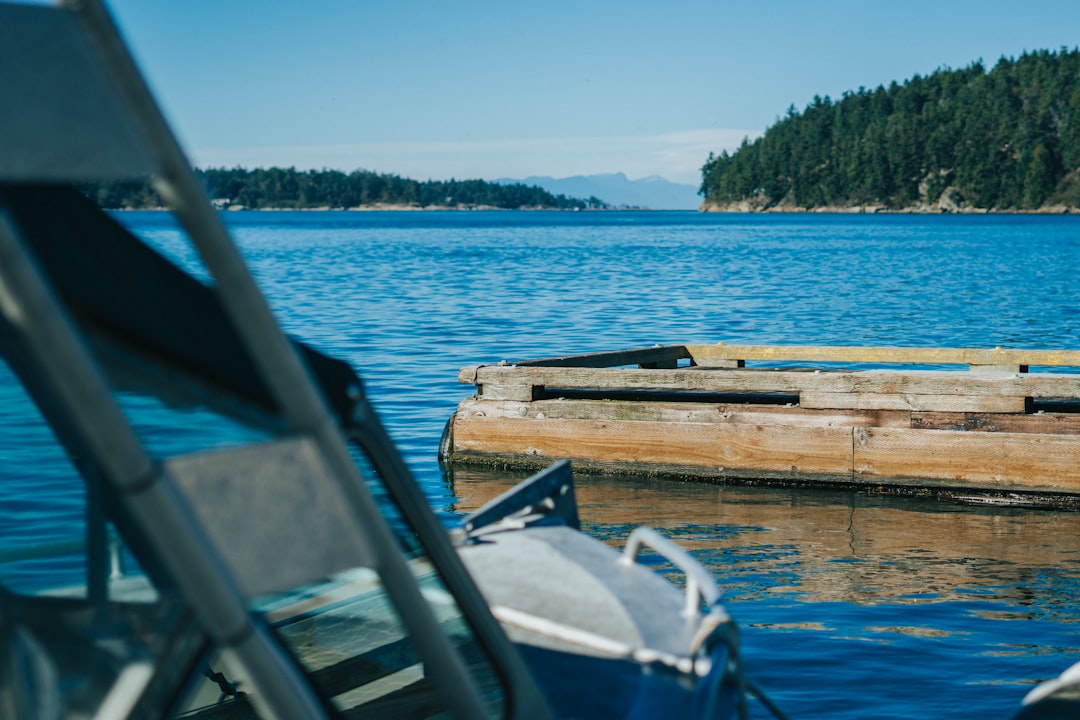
column 1005, row 139
column 291, row 188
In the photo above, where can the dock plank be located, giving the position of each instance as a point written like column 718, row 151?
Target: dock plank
column 999, row 461
column 1043, row 422
column 705, row 354
column 690, row 412
column 783, row 450
column 914, row 382
column 913, row 402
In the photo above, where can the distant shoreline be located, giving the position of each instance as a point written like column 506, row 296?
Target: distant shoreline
column 412, row 208
column 733, row 209
column 747, row 208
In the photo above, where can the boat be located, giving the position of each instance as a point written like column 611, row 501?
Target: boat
column 293, row 570
column 1055, row 699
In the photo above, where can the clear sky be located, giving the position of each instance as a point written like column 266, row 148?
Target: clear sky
column 503, row 88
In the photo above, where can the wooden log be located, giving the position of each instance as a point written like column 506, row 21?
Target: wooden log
column 994, row 461
column 781, row 451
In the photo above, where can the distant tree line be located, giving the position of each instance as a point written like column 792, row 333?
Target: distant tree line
column 1007, row 139
column 291, row 188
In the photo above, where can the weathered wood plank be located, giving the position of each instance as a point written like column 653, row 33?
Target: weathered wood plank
column 775, row 449
column 704, row 354
column 913, row 382
column 997, row 461
column 909, row 401
column 507, row 391
column 691, row 412
column 1044, row 422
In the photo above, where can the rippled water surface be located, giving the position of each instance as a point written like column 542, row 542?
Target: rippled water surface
column 852, row 605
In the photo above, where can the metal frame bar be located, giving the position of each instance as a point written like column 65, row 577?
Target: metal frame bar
column 62, row 360
column 368, row 432
column 303, row 406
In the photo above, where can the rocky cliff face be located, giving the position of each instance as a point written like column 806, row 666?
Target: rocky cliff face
column 949, row 201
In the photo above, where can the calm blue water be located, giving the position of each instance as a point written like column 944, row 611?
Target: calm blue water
column 852, row 606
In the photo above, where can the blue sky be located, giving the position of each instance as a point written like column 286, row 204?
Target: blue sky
column 486, row 89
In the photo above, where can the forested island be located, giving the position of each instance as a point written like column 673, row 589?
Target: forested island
column 289, row 188
column 1007, row 140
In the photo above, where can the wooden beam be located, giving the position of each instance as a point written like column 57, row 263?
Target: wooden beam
column 994, row 461
column 1046, row 423
column 689, row 412
column 705, row 354
column 913, row 382
column 507, row 391
column 781, row 451
column 913, row 402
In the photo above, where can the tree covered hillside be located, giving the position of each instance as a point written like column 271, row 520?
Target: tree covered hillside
column 1007, row 139
column 291, row 188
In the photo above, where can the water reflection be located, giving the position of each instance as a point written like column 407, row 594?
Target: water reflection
column 824, row 546
column 855, row 605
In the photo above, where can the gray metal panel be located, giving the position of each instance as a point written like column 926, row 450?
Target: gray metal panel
column 569, row 578
column 60, row 119
column 274, row 512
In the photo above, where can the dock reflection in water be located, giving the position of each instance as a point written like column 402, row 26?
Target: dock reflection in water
column 825, row 546
column 835, row 588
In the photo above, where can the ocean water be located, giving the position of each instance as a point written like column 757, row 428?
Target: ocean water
column 852, row 605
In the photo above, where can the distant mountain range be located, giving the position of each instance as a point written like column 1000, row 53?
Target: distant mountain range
column 617, row 190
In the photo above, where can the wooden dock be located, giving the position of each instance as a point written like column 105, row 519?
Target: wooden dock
column 910, row 419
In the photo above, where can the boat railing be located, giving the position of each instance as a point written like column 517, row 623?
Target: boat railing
column 700, row 584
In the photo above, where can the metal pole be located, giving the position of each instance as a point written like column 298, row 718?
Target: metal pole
column 368, row 431
column 97, row 544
